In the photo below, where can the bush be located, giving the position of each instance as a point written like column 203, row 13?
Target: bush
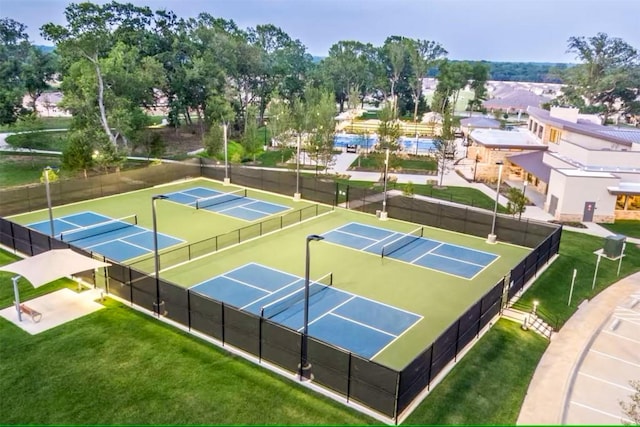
column 409, row 189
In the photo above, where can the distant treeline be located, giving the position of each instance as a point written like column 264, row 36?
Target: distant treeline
column 537, row 72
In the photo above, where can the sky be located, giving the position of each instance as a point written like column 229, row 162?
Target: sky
column 493, row 30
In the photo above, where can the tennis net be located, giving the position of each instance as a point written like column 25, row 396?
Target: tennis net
column 206, row 202
column 99, row 228
column 282, row 304
column 401, row 242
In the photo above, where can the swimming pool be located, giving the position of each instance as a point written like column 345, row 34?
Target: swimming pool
column 367, row 142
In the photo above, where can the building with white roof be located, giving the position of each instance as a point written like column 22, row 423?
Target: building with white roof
column 587, row 171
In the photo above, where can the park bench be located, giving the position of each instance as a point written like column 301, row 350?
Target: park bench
column 36, row 316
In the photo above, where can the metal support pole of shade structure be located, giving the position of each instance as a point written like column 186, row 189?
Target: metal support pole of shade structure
column 48, row 191
column 573, row 281
column 305, row 366
column 383, row 215
column 296, row 195
column 226, row 154
column 155, row 249
column 16, row 296
column 492, row 237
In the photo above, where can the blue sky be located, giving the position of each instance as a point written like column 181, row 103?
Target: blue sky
column 495, row 30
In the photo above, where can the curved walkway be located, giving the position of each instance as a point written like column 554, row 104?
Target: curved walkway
column 587, row 366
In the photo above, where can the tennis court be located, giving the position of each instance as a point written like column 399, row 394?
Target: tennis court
column 117, row 239
column 235, row 203
column 349, row 321
column 412, row 248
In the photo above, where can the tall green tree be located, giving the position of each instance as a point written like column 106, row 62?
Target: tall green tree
column 606, row 79
column 14, row 49
column 423, row 55
column 444, row 145
column 108, row 74
column 38, row 69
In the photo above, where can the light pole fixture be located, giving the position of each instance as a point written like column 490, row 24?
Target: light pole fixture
column 305, row 366
column 492, row 236
column 47, row 170
column 155, row 249
column 226, row 155
column 383, row 214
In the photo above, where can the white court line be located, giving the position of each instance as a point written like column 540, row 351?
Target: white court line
column 397, row 338
column 352, row 234
column 427, row 253
column 621, row 336
column 373, row 328
column 109, row 241
column 459, row 260
column 379, row 241
column 617, row 417
column 326, row 313
column 614, row 358
column 271, row 293
column 606, row 382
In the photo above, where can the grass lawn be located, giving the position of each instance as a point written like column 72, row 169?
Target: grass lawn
column 53, row 141
column 489, row 384
column 19, row 169
column 274, row 158
column 118, row 366
column 630, row 228
column 397, row 164
column 576, row 251
column 39, row 124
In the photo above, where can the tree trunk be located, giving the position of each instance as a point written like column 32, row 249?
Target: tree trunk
column 103, row 113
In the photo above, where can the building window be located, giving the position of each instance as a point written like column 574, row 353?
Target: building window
column 535, row 127
column 554, row 135
column 540, row 130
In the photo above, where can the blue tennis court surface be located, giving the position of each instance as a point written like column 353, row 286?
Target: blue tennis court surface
column 414, row 249
column 118, row 240
column 235, row 203
column 354, row 323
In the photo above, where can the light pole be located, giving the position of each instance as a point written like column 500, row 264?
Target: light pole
column 492, row 237
column 383, row 214
column 305, row 366
column 226, row 156
column 155, row 248
column 46, row 186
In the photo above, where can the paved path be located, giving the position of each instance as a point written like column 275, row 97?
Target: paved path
column 560, row 391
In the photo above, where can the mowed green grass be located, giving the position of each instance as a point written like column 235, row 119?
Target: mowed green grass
column 488, row 386
column 23, row 169
column 628, row 227
column 118, row 366
column 552, row 288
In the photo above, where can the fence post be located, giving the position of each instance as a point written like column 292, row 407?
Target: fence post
column 349, row 378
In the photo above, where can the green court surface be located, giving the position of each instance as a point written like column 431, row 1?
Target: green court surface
column 438, row 297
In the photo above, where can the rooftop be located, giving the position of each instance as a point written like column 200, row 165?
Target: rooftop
column 496, row 138
column 624, row 136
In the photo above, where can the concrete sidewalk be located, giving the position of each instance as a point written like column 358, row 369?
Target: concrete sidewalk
column 554, row 380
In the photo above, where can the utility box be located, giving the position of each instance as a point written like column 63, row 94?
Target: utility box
column 613, row 245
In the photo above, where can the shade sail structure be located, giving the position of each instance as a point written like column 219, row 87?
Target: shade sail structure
column 51, row 265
